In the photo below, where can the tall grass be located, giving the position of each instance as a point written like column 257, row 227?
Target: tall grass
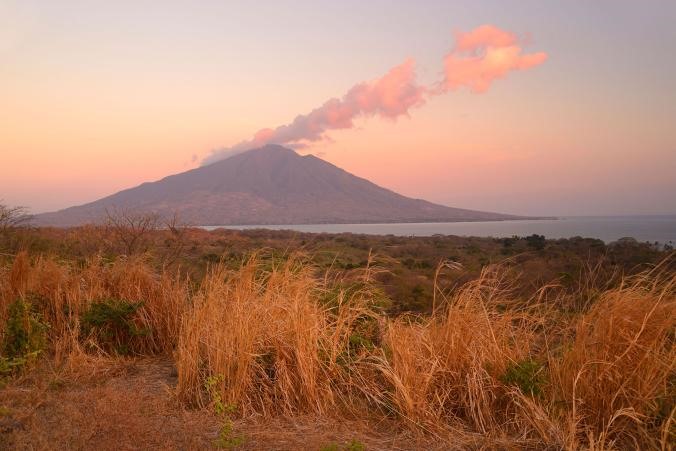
column 61, row 292
column 617, row 378
column 446, row 369
column 273, row 338
column 264, row 334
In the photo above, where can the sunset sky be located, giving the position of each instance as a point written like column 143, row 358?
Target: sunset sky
column 574, row 114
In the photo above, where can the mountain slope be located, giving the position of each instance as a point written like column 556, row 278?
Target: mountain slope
column 270, row 185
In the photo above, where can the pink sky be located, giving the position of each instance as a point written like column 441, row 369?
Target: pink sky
column 475, row 107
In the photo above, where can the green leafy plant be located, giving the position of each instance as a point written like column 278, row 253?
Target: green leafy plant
column 25, row 330
column 25, row 337
column 227, row 439
column 528, row 375
column 111, row 323
column 211, row 386
column 353, row 445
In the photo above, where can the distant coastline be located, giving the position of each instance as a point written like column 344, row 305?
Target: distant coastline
column 651, row 228
column 277, row 225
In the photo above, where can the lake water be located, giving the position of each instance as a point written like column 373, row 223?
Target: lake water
column 607, row 228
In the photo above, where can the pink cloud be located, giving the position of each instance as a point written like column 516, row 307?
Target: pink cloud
column 483, row 55
column 390, row 96
column 479, row 57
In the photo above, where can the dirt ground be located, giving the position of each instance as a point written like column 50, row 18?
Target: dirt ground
column 130, row 405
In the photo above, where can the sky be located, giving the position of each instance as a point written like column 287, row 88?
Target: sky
column 99, row 96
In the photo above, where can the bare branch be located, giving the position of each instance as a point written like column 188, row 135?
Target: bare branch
column 177, row 240
column 131, row 229
column 12, row 217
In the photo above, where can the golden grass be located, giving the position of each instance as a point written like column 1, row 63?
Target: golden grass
column 446, row 369
column 61, row 291
column 275, row 348
column 618, row 376
column 281, row 342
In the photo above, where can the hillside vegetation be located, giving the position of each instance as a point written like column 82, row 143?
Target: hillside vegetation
column 242, row 349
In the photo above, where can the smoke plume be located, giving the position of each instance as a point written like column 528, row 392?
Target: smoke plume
column 478, row 58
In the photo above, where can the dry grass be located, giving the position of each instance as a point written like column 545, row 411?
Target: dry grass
column 445, row 370
column 618, row 378
column 485, row 370
column 276, row 349
column 62, row 291
column 120, row 405
column 129, row 404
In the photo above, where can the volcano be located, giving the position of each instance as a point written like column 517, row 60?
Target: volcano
column 269, row 185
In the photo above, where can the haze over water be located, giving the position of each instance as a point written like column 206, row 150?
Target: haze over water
column 660, row 228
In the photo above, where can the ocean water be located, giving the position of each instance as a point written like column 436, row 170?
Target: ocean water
column 660, row 228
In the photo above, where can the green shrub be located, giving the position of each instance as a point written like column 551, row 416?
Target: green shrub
column 111, row 324
column 527, row 375
column 537, row 242
column 25, row 337
column 227, row 439
column 353, row 445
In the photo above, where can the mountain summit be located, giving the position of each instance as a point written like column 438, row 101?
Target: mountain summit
column 269, row 185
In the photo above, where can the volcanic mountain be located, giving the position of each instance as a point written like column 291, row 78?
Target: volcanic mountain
column 270, row 185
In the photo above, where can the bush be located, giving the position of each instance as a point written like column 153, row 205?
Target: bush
column 527, row 375
column 536, row 241
column 25, row 337
column 353, row 445
column 111, row 324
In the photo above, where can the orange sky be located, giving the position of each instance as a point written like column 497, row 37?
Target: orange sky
column 96, row 97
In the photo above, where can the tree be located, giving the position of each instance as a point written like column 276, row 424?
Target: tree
column 13, row 217
column 176, row 242
column 536, row 241
column 131, row 229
